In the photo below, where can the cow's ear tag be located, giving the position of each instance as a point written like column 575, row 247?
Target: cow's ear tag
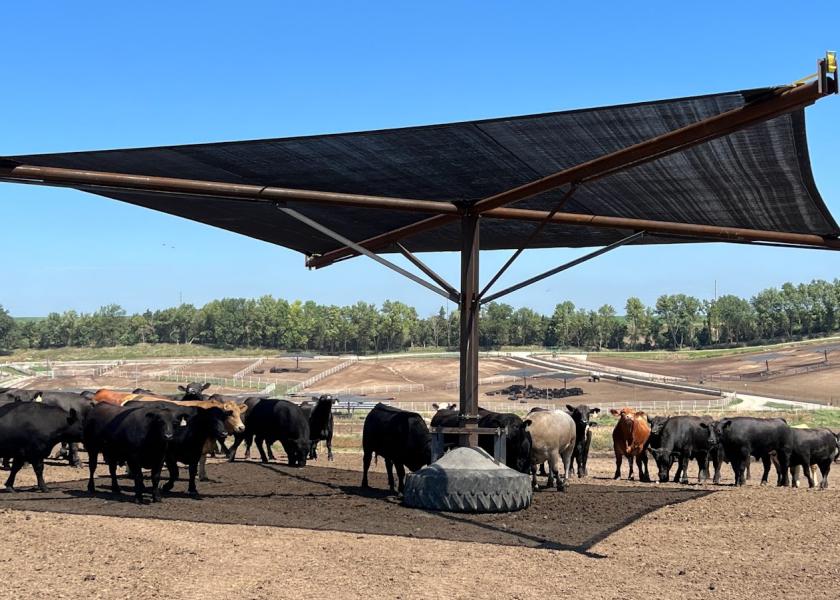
column 39, row 399
column 183, row 421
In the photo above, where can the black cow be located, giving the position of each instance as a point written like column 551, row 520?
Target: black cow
column 813, row 447
column 246, row 436
column 28, row 432
column 683, row 439
column 193, row 391
column 68, row 401
column 743, row 437
column 321, row 424
column 138, row 437
column 188, row 441
column 517, row 438
column 582, row 416
column 18, row 395
column 400, row 437
column 271, row 420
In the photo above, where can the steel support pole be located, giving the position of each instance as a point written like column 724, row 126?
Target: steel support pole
column 469, row 326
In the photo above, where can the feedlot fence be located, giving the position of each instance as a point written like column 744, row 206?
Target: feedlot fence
column 769, row 374
column 322, row 375
column 249, row 368
column 251, row 383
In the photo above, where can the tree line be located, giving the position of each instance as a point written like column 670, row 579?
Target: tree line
column 675, row 321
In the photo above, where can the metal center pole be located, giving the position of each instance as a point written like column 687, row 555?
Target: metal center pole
column 469, row 326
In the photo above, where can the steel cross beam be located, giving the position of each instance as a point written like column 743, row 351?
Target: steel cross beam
column 785, row 100
column 524, row 245
column 719, row 232
column 100, row 180
column 427, row 270
column 563, row 267
column 340, row 238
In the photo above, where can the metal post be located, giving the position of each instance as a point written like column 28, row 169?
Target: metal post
column 469, row 327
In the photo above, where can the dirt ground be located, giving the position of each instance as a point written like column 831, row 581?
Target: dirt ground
column 739, row 364
column 428, row 371
column 270, row 531
column 817, row 386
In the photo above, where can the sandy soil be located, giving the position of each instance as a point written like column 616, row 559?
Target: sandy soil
column 428, row 371
column 821, row 386
column 719, row 543
column 739, row 364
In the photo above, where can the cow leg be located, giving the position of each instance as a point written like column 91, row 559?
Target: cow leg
column 567, row 470
column 784, row 465
column 249, row 439
column 224, row 447
column 172, row 467
column 534, row 484
column 93, row 458
column 155, row 476
column 740, row 462
column 554, row 469
column 193, row 468
column 365, row 467
column 202, row 468
column 139, row 488
column 17, row 465
column 237, row 440
column 38, row 467
column 702, row 468
column 268, row 450
column 75, row 460
column 263, row 457
column 543, row 470
column 644, row 472
column 766, row 461
column 825, row 467
column 678, row 474
column 400, row 476
column 684, row 468
column 716, row 460
column 389, row 468
column 329, row 446
column 630, row 476
column 809, row 475
column 112, row 469
column 617, row 466
column 7, row 463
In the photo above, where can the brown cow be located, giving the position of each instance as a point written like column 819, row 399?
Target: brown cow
column 118, row 398
column 629, row 438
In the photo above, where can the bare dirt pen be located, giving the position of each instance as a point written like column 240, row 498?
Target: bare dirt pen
column 435, row 372
column 311, row 533
column 822, row 385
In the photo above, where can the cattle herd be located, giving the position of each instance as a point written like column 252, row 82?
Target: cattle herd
column 403, row 440
column 144, row 430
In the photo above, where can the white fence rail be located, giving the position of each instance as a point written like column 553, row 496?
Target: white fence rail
column 247, row 370
column 251, row 383
column 322, row 375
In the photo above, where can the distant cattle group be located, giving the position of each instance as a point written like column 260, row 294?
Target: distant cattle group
column 145, row 430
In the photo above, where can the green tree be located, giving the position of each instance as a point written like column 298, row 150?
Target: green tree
column 7, row 330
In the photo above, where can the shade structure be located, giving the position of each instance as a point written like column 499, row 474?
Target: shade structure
column 755, row 178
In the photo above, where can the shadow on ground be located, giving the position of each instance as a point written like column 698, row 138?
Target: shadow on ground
column 249, row 493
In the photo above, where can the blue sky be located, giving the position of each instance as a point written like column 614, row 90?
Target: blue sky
column 93, row 75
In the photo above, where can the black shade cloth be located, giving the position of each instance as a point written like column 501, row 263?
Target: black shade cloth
column 758, row 178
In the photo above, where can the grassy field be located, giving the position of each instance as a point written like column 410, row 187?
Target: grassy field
column 129, row 352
